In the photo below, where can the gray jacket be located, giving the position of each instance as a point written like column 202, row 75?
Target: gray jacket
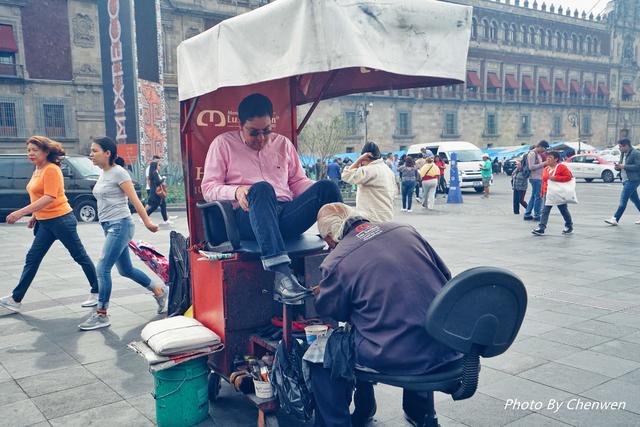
column 536, row 166
column 632, row 164
column 518, row 181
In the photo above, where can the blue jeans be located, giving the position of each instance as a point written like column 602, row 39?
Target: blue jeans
column 63, row 228
column 629, row 192
column 535, row 202
column 269, row 221
column 118, row 233
column 407, row 193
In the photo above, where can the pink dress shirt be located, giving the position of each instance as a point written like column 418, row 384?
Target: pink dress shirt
column 230, row 163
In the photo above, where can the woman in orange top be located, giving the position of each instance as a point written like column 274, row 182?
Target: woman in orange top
column 52, row 220
column 555, row 171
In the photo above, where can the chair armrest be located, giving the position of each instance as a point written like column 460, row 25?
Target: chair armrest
column 220, row 214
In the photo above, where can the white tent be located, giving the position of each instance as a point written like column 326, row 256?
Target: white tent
column 301, row 37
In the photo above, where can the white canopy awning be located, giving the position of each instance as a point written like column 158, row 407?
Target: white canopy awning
column 296, row 37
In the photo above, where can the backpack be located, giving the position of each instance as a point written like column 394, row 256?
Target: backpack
column 157, row 262
column 179, row 275
column 526, row 172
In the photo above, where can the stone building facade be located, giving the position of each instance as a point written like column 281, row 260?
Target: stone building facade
column 531, row 68
column 534, row 72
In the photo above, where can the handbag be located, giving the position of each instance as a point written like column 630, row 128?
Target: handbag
column 560, row 193
column 161, row 191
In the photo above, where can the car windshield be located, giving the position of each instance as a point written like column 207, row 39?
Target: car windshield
column 469, row 155
column 84, row 166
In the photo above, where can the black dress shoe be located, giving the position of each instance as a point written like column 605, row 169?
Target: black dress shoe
column 287, row 290
column 528, row 218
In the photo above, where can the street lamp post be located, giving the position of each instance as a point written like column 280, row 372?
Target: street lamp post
column 363, row 110
column 574, row 119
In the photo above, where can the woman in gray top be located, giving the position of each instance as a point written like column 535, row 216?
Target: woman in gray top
column 111, row 191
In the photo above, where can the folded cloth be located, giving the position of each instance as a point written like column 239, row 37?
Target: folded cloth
column 159, row 363
column 176, row 335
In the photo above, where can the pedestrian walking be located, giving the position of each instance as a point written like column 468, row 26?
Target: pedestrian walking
column 533, row 170
column 556, row 172
column 442, row 182
column 157, row 194
column 52, row 219
column 409, row 176
column 429, row 173
column 420, row 161
column 629, row 167
column 486, row 172
column 376, row 184
column 113, row 188
column 519, row 185
column 333, row 171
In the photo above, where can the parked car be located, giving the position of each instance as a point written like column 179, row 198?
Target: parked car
column 591, row 166
column 610, row 154
column 80, row 175
column 510, row 165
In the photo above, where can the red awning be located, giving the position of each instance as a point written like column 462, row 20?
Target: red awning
column 511, row 81
column 7, row 41
column 603, row 89
column 473, row 80
column 588, row 88
column 560, row 86
column 493, row 81
column 544, row 84
column 527, row 83
column 627, row 89
column 574, row 86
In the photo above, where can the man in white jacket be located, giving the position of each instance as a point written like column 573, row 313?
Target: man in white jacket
column 376, row 184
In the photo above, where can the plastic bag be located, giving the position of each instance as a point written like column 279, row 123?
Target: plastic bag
column 288, row 382
column 559, row 193
column 179, row 275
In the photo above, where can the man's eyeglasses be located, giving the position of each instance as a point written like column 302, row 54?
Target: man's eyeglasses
column 254, row 133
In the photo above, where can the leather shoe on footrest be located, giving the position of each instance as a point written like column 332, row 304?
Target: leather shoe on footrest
column 287, row 290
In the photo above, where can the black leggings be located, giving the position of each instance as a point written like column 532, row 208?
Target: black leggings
column 154, row 202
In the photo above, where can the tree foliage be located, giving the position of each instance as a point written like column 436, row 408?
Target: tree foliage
column 322, row 140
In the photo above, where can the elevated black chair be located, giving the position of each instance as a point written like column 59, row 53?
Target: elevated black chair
column 477, row 313
column 222, row 233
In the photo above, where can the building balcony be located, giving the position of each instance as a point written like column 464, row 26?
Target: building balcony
column 11, row 71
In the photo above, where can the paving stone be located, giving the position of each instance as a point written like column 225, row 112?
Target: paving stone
column 617, row 391
column 38, row 365
column 128, row 375
column 535, row 328
column 115, row 414
column 145, row 404
column 544, row 349
column 536, row 420
column 574, row 338
column 74, row 400
column 618, row 348
column 10, row 392
column 19, row 414
column 523, row 390
column 479, row 411
column 555, row 318
column 51, row 382
column 581, row 311
column 513, row 362
column 600, row 363
column 564, row 377
column 604, row 329
column 622, row 318
column 592, row 418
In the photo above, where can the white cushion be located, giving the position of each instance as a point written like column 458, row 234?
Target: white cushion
column 176, row 335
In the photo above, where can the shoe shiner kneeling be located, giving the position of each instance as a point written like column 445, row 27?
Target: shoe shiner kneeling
column 385, row 300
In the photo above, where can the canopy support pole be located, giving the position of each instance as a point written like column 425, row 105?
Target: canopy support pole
column 192, row 107
column 330, row 80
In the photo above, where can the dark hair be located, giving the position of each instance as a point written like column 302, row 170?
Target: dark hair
column 153, row 166
column 254, row 105
column 53, row 149
column 107, row 144
column 409, row 162
column 555, row 155
column 624, row 141
column 156, row 157
column 544, row 144
column 371, row 147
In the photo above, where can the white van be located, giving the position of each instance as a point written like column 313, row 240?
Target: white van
column 469, row 159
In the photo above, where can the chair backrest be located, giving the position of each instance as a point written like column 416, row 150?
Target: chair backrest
column 219, row 223
column 480, row 309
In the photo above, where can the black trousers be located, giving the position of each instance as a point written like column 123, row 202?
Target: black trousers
column 518, row 200
column 154, row 202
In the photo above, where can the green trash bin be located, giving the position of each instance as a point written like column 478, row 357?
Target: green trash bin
column 182, row 394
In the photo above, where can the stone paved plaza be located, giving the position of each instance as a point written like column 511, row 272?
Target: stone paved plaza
column 580, row 338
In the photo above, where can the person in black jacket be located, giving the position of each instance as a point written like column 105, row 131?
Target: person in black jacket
column 155, row 200
column 629, row 167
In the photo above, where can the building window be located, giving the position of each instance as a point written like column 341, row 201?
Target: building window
column 485, row 29
column 349, row 149
column 11, row 118
column 493, row 32
column 54, row 118
column 474, row 28
column 525, row 35
column 525, row 125
column 491, row 126
column 557, row 125
column 350, row 123
column 543, row 42
column 403, row 148
column 450, row 125
column 403, row 123
column 532, row 36
column 558, row 41
column 585, row 122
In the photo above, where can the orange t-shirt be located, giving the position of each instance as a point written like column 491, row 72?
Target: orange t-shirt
column 50, row 182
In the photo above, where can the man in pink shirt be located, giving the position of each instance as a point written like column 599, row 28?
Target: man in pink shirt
column 260, row 172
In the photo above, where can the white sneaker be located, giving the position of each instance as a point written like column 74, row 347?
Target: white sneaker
column 95, row 321
column 173, row 218
column 10, row 304
column 638, row 222
column 611, row 221
column 410, row 210
column 162, row 299
column 167, row 223
column 92, row 301
column 404, row 210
